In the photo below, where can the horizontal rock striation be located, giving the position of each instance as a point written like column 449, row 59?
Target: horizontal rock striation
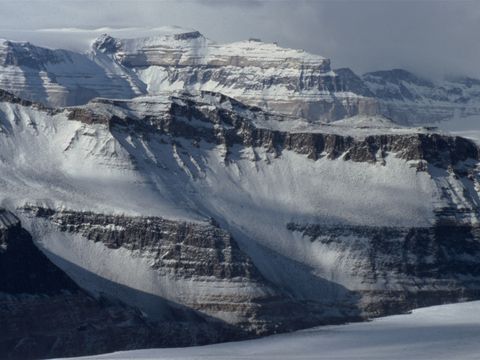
column 397, row 269
column 172, row 246
column 281, row 80
column 220, row 120
column 45, row 314
column 263, row 74
column 205, row 256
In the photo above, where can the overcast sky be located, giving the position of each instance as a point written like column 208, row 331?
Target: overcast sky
column 428, row 36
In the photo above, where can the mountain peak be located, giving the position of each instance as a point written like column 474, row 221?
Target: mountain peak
column 160, row 35
column 23, row 53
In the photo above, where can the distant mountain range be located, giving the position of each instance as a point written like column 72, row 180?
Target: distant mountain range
column 257, row 73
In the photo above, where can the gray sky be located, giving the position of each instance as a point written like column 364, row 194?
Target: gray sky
column 429, row 37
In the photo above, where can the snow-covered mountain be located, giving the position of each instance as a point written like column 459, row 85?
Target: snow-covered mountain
column 258, row 221
column 408, row 98
column 230, row 190
column 257, row 73
column 263, row 74
column 58, row 77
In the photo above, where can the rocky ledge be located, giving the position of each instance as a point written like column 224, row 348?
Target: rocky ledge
column 217, row 119
column 397, row 268
column 223, row 283
column 45, row 314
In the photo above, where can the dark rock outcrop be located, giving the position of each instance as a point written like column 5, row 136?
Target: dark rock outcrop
column 403, row 268
column 235, row 125
column 202, row 254
column 9, row 97
column 173, row 245
column 45, row 314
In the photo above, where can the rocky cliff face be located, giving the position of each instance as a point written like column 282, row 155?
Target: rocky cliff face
column 257, row 73
column 198, row 266
column 45, row 314
column 401, row 268
column 220, row 120
column 286, row 81
column 211, row 215
column 230, row 129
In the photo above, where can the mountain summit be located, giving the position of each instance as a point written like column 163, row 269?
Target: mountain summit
column 261, row 74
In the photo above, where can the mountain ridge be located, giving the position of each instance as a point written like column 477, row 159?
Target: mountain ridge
column 283, row 80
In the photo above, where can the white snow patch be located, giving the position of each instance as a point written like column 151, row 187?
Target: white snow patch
column 441, row 332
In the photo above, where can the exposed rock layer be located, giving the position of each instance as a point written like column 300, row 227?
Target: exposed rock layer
column 404, row 268
column 277, row 79
column 236, row 124
column 201, row 254
column 45, row 314
column 344, row 272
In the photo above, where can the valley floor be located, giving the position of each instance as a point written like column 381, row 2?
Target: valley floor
column 438, row 332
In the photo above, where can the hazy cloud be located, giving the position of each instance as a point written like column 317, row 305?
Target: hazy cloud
column 431, row 37
column 238, row 3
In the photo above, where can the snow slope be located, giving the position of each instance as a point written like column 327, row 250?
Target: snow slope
column 60, row 77
column 50, row 160
column 53, row 161
column 440, row 332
